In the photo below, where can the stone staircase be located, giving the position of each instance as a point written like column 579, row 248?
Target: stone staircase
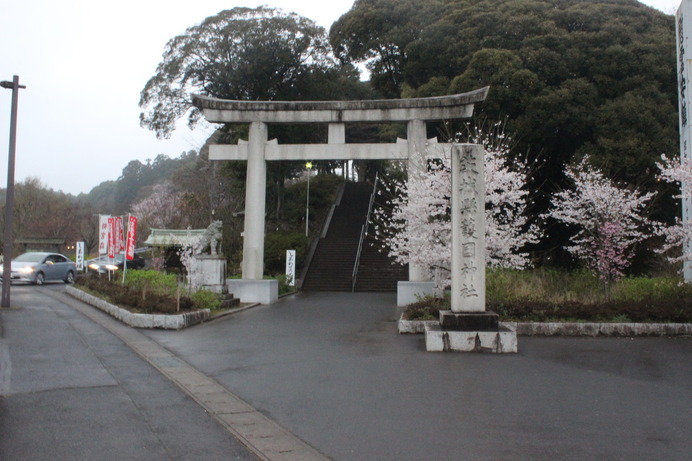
column 228, row 300
column 331, row 268
column 377, row 271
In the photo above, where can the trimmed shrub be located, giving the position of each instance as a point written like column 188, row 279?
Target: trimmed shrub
column 205, row 299
column 141, row 299
column 275, row 246
column 543, row 295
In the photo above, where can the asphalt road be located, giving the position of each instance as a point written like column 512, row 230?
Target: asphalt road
column 70, row 390
column 330, row 368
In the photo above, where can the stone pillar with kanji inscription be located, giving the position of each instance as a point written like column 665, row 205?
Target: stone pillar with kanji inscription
column 468, row 327
column 468, row 229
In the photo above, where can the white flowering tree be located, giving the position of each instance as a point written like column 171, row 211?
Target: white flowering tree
column 609, row 220
column 678, row 237
column 417, row 229
column 162, row 208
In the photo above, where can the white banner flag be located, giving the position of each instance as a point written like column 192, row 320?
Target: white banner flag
column 103, row 234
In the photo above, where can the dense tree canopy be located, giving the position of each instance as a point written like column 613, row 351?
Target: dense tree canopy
column 243, row 54
column 572, row 76
column 40, row 212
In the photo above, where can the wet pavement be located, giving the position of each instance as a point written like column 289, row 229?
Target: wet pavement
column 330, row 369
column 71, row 390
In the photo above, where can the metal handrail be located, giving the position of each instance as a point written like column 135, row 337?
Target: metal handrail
column 363, row 234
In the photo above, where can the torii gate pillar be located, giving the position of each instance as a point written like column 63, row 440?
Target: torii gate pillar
column 416, row 133
column 258, row 150
column 255, row 198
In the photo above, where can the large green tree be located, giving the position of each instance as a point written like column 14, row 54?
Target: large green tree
column 244, row 54
column 572, row 77
column 569, row 74
column 249, row 54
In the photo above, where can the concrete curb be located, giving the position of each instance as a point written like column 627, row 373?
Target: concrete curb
column 230, row 312
column 263, row 436
column 570, row 328
column 414, row 327
column 167, row 322
column 601, row 329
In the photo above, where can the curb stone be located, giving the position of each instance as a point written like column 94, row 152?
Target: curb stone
column 570, row 328
column 601, row 329
column 167, row 322
column 263, row 436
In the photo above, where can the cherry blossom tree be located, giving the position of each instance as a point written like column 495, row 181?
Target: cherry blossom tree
column 162, row 208
column 417, row 228
column 609, row 220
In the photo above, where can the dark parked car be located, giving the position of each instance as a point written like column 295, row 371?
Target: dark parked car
column 103, row 264
column 42, row 267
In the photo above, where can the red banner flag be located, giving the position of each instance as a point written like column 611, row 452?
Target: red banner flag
column 111, row 237
column 119, row 235
column 131, row 238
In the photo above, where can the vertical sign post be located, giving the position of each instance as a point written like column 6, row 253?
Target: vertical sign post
column 308, row 166
column 683, row 25
column 80, row 256
column 291, row 267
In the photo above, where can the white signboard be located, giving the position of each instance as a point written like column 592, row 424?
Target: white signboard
column 291, row 267
column 103, row 234
column 683, row 27
column 80, row 256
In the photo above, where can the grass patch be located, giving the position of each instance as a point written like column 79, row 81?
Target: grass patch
column 546, row 295
column 148, row 292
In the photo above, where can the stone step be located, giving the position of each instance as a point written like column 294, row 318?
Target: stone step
column 228, row 300
column 332, row 266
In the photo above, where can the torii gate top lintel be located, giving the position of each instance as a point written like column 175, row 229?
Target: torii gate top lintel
column 379, row 110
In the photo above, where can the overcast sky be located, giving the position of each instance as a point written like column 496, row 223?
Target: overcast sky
column 84, row 63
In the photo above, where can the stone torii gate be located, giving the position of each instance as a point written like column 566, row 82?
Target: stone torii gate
column 259, row 149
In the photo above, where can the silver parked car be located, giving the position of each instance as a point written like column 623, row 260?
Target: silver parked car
column 42, row 267
column 103, row 264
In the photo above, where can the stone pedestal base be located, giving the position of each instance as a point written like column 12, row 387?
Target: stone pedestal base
column 501, row 341
column 409, row 292
column 469, row 321
column 254, row 291
column 208, row 272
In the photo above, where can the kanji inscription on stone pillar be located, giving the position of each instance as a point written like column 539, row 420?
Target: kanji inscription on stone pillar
column 468, row 228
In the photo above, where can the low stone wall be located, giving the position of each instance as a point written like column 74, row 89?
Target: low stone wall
column 601, row 329
column 164, row 321
column 414, row 326
column 570, row 328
